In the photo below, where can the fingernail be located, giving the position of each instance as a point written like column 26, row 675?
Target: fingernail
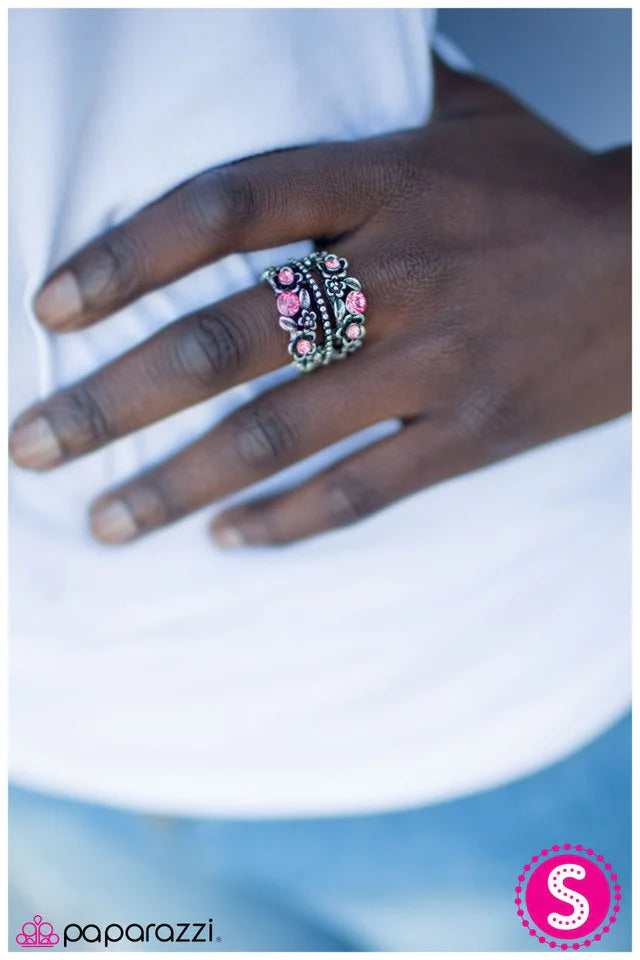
column 59, row 301
column 34, row 445
column 113, row 522
column 229, row 538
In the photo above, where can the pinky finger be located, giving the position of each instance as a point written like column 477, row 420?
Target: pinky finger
column 349, row 491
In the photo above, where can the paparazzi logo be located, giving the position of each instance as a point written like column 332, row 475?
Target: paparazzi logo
column 38, row 933
column 568, row 896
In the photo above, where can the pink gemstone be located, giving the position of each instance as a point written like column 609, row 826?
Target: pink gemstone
column 332, row 263
column 303, row 347
column 353, row 331
column 285, row 276
column 356, row 302
column 288, row 303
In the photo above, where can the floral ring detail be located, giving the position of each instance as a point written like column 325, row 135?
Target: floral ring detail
column 323, row 324
column 347, row 300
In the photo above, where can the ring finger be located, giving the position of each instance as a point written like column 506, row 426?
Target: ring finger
column 277, row 429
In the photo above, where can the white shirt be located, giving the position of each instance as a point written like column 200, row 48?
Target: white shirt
column 477, row 630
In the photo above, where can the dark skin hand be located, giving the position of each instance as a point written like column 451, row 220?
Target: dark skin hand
column 495, row 255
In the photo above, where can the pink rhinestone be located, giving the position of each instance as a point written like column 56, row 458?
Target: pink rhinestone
column 353, row 331
column 288, row 304
column 285, row 275
column 303, row 347
column 331, row 263
column 356, row 302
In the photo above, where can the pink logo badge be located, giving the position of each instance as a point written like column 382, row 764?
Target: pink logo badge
column 568, row 896
column 37, row 933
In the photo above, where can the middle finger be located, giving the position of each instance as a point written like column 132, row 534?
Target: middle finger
column 186, row 362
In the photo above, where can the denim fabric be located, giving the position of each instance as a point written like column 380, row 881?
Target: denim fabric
column 436, row 878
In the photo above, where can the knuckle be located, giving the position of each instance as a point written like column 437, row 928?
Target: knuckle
column 216, row 346
column 350, row 499
column 264, row 438
column 496, row 417
column 218, row 204
column 86, row 418
column 413, row 268
column 152, row 502
column 115, row 271
column 197, row 209
column 398, row 169
column 421, row 263
column 239, row 197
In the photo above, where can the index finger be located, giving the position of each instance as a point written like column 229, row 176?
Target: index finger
column 261, row 202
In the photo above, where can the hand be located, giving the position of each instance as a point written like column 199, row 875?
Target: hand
column 495, row 257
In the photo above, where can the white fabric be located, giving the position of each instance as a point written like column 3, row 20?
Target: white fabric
column 475, row 631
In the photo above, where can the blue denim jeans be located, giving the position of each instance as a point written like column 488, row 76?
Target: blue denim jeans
column 436, row 878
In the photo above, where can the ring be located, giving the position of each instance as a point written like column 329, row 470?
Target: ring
column 293, row 301
column 347, row 300
column 302, row 306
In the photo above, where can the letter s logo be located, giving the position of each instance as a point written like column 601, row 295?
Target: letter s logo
column 557, row 889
